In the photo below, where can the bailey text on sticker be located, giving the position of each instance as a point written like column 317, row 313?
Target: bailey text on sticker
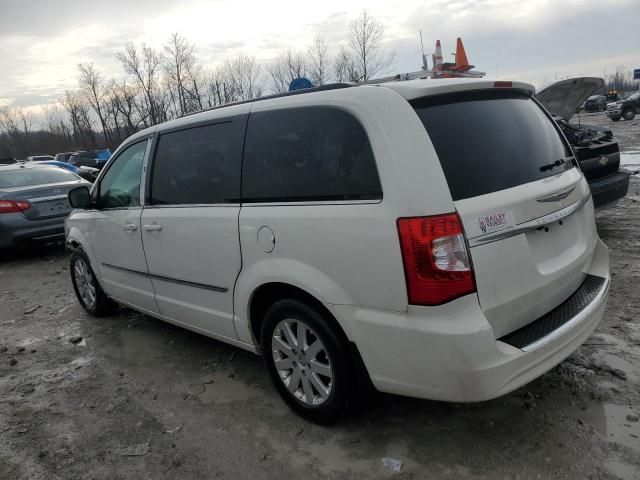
column 495, row 222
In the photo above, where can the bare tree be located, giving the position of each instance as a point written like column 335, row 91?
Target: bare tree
column 56, row 122
column 245, row 77
column 344, row 67
column 179, row 64
column 365, row 45
column 92, row 87
column 318, row 61
column 144, row 66
column 287, row 66
column 17, row 122
column 129, row 107
column 9, row 121
column 78, row 111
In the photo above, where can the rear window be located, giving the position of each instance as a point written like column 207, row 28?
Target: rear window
column 308, row 154
column 24, row 177
column 490, row 141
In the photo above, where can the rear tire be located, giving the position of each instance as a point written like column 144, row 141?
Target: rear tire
column 88, row 290
column 308, row 361
column 629, row 114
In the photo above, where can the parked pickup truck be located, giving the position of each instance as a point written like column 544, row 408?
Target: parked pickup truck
column 595, row 148
column 626, row 108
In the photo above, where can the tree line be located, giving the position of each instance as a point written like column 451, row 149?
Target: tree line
column 162, row 84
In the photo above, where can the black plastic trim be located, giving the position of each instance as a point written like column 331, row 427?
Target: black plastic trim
column 169, row 279
column 557, row 317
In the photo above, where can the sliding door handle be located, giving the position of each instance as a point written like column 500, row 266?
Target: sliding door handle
column 152, row 227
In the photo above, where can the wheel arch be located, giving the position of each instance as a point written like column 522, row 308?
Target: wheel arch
column 267, row 294
column 76, row 240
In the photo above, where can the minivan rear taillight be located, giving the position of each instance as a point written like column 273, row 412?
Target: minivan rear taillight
column 436, row 259
column 13, row 206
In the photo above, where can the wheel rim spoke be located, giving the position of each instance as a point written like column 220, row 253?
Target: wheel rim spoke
column 284, row 364
column 320, row 368
column 288, row 333
column 294, row 381
column 279, row 345
column 312, row 350
column 302, row 336
column 308, row 391
column 322, row 389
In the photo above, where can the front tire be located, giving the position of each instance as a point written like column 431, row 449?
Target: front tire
column 615, row 119
column 88, row 290
column 307, row 360
column 629, row 114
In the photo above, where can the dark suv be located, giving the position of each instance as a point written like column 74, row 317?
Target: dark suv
column 595, row 148
column 90, row 158
column 595, row 103
column 624, row 108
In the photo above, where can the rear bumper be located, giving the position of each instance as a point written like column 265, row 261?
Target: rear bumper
column 15, row 229
column 450, row 352
column 609, row 189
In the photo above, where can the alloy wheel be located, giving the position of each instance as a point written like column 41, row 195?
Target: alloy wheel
column 84, row 283
column 302, row 362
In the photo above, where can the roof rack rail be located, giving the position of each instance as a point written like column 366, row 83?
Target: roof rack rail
column 329, row 86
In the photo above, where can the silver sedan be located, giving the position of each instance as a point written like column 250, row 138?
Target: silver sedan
column 33, row 202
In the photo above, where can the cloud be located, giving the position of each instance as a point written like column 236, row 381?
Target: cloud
column 42, row 42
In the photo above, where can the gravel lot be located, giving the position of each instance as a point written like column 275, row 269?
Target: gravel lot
column 131, row 397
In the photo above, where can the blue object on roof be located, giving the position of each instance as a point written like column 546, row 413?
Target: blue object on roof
column 103, row 154
column 67, row 166
column 300, row 84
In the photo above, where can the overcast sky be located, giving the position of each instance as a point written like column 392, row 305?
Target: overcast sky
column 41, row 42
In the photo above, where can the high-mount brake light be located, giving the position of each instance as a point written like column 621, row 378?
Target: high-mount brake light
column 436, row 260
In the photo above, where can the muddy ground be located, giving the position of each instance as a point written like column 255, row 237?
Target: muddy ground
column 137, row 398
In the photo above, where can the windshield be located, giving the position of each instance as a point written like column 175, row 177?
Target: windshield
column 24, row 177
column 488, row 141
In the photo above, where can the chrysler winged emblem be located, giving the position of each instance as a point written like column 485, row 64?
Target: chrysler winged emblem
column 554, row 197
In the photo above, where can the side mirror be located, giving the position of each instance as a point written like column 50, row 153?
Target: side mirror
column 79, row 197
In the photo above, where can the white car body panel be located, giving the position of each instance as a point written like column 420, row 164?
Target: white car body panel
column 198, row 245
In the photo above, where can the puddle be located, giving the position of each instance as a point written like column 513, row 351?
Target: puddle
column 619, row 363
column 332, row 458
column 141, row 344
column 610, row 421
column 630, row 160
column 225, row 389
column 622, row 470
column 28, row 341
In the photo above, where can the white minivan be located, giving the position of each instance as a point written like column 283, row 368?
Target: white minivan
column 435, row 237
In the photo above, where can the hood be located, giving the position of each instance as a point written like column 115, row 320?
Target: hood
column 564, row 97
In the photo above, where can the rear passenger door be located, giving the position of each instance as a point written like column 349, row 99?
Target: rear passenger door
column 190, row 223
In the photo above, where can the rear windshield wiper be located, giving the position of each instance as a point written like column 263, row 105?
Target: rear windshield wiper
column 552, row 165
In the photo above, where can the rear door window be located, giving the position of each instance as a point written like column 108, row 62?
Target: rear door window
column 199, row 165
column 491, row 141
column 308, row 154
